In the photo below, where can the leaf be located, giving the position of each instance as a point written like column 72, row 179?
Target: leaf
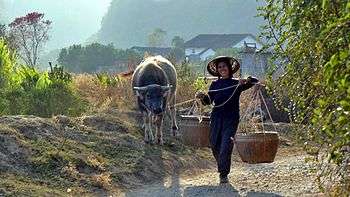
column 43, row 82
column 324, row 3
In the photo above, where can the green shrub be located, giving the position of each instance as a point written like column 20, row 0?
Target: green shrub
column 312, row 40
column 25, row 90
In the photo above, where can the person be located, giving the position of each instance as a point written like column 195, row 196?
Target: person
column 224, row 94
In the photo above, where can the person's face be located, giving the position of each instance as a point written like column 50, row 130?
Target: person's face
column 223, row 69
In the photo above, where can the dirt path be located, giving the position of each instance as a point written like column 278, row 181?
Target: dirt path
column 289, row 175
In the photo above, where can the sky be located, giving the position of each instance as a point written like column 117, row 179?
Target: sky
column 74, row 21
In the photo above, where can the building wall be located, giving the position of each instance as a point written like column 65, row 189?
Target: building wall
column 207, row 54
column 193, row 51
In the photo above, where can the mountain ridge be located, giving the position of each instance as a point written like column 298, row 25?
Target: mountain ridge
column 128, row 23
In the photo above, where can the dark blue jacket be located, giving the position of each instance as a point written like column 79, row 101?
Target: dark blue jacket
column 231, row 108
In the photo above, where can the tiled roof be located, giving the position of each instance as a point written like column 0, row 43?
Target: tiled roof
column 153, row 50
column 216, row 41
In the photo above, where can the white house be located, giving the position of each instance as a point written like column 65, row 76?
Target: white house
column 203, row 46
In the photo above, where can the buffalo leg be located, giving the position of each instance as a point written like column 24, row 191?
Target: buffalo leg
column 159, row 129
column 150, row 132
column 174, row 126
column 147, row 119
column 145, row 127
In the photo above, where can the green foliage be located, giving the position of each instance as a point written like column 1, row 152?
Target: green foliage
column 201, row 85
column 6, row 63
column 25, row 90
column 78, row 59
column 57, row 73
column 156, row 38
column 42, row 94
column 185, row 72
column 2, row 30
column 177, row 52
column 178, row 42
column 108, row 80
column 312, row 37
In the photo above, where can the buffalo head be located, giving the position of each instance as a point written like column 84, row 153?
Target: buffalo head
column 153, row 97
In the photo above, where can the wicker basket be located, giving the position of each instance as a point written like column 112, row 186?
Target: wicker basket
column 257, row 147
column 195, row 133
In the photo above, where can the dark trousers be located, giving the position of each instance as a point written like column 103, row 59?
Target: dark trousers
column 222, row 129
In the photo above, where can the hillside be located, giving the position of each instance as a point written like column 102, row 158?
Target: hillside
column 92, row 155
column 128, row 22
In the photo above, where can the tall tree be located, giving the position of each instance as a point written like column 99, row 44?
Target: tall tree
column 30, row 32
column 77, row 58
column 177, row 52
column 157, row 38
column 312, row 38
column 71, row 58
column 178, row 42
column 8, row 39
column 2, row 30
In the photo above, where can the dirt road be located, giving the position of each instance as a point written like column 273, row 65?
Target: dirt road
column 289, row 175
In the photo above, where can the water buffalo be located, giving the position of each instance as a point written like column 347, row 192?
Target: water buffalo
column 154, row 83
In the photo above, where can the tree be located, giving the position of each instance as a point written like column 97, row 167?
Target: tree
column 77, row 58
column 7, row 38
column 7, row 62
column 178, row 42
column 71, row 58
column 177, row 52
column 313, row 38
column 97, row 55
column 2, row 30
column 157, row 38
column 30, row 32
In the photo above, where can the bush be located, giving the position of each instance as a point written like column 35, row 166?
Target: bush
column 24, row 90
column 312, row 39
column 42, row 94
column 7, row 62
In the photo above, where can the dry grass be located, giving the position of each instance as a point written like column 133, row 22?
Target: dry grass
column 120, row 96
column 102, row 97
column 102, row 180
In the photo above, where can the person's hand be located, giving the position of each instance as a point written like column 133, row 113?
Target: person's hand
column 200, row 95
column 233, row 140
column 242, row 81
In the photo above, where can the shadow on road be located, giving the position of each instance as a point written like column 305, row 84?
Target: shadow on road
column 221, row 191
column 211, row 190
column 262, row 194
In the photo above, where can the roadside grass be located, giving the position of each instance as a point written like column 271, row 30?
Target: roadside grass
column 89, row 156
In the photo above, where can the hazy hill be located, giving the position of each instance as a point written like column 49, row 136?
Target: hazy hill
column 128, row 22
column 73, row 21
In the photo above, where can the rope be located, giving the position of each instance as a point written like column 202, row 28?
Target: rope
column 222, row 104
column 182, row 103
column 217, row 90
column 267, row 109
column 254, row 94
column 262, row 117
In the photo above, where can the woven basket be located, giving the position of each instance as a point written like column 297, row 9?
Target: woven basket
column 257, row 147
column 195, row 133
